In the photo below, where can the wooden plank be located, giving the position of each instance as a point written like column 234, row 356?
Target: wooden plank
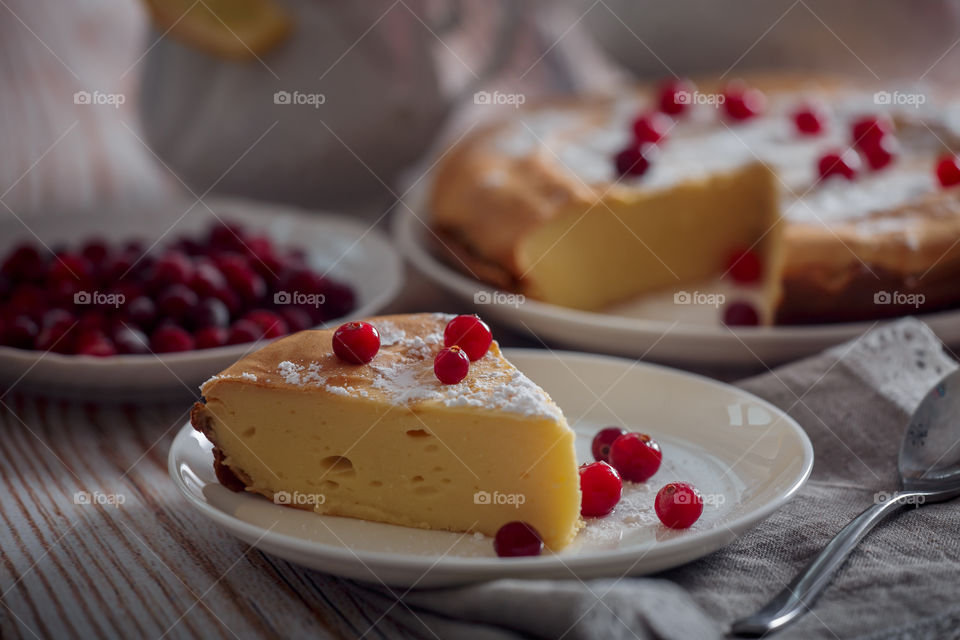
column 146, row 564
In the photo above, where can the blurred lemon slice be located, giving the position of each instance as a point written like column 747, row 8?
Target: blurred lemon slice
column 233, row 29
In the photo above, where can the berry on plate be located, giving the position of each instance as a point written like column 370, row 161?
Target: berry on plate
column 678, row 505
column 636, row 456
column 516, row 539
column 602, row 441
column 600, row 489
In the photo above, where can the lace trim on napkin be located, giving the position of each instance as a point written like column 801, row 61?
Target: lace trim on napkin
column 902, row 360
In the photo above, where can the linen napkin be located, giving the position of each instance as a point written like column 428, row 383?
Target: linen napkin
column 902, row 582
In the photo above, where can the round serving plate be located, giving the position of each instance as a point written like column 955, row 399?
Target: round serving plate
column 348, row 250
column 676, row 335
column 746, row 456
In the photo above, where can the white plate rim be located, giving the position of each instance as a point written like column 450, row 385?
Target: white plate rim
column 706, row 539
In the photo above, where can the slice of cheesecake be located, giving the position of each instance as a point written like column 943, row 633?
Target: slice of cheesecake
column 386, row 441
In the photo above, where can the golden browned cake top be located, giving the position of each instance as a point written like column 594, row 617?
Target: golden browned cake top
column 401, row 373
column 508, row 178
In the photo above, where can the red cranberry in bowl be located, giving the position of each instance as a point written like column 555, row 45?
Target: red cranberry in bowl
column 210, row 312
column 339, row 300
column 140, row 311
column 173, row 267
column 227, row 235
column 95, row 250
column 270, row 323
column 24, row 262
column 171, row 339
column 130, row 340
column 244, row 331
column 211, row 337
column 247, row 284
column 20, row 332
column 297, row 319
column 177, row 301
column 207, row 279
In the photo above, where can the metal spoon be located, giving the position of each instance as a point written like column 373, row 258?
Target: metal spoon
column 929, row 467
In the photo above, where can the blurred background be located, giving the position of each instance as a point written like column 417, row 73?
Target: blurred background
column 332, row 105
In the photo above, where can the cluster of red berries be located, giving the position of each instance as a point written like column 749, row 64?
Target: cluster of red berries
column 650, row 129
column 228, row 287
column 634, row 457
column 873, row 146
column 466, row 339
column 619, row 456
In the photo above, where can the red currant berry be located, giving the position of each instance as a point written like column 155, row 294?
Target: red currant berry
column 271, row 324
column 809, row 120
column 740, row 314
column 651, row 127
column 451, row 365
column 742, row 103
column 636, row 456
column 210, row 337
column 678, row 505
column 601, row 487
column 839, row 163
column 170, row 339
column 676, row 95
column 879, row 152
column 516, row 539
column 635, row 159
column 603, row 440
column 356, row 342
column 948, row 170
column 244, row 331
column 470, row 333
column 869, row 128
column 745, row 267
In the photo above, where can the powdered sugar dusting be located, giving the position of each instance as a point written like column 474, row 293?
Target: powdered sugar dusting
column 703, row 144
column 402, row 374
column 390, row 334
column 290, row 372
column 248, row 376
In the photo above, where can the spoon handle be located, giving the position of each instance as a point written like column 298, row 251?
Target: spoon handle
column 798, row 596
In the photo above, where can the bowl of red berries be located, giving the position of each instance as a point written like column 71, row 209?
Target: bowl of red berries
column 164, row 296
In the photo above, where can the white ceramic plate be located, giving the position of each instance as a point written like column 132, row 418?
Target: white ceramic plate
column 667, row 333
column 746, row 456
column 352, row 252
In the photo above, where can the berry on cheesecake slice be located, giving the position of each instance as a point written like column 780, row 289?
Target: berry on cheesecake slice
column 383, row 438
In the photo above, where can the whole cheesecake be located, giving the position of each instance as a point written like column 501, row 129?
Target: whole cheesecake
column 387, row 441
column 537, row 204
